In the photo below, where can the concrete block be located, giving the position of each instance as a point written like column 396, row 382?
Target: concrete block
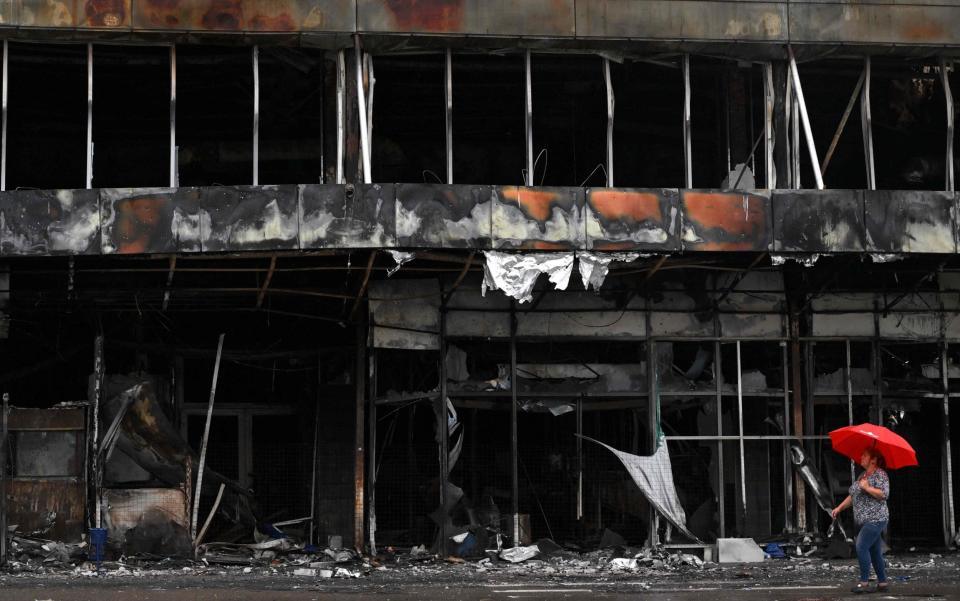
column 738, row 550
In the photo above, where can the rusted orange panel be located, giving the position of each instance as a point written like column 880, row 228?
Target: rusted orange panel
column 33, row 503
column 106, row 13
column 245, row 15
column 479, row 17
column 727, row 221
column 136, row 220
column 538, row 218
column 535, row 203
column 619, row 204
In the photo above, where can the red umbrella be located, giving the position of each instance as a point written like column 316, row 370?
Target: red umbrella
column 852, row 441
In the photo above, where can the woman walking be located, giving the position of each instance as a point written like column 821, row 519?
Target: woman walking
column 868, row 496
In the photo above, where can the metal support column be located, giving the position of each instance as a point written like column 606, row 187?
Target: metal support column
column 372, row 455
column 341, row 109
column 448, row 95
column 721, row 484
column 580, row 458
column 3, row 477
column 611, row 103
column 528, row 116
column 514, row 440
column 98, row 371
column 805, row 117
column 949, row 518
column 866, row 123
column 743, row 462
column 174, row 179
column 443, row 431
column 796, row 377
column 3, row 115
column 359, row 446
column 945, row 68
column 89, row 173
column 362, row 112
column 256, row 115
column 848, row 373
column 769, row 100
column 687, row 134
column 787, row 463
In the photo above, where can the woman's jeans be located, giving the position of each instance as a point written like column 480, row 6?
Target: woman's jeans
column 868, row 549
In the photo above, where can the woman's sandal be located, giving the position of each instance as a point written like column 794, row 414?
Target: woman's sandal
column 883, row 587
column 861, row 587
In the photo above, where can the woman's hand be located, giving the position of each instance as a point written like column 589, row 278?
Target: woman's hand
column 836, row 511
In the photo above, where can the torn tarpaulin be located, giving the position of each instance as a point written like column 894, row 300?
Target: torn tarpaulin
column 595, row 266
column 805, row 260
column 516, row 274
column 654, row 476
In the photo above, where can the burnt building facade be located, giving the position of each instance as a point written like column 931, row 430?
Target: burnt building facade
column 744, row 215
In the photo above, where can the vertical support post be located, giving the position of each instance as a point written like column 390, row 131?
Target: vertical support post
column 743, row 463
column 443, row 431
column 866, row 123
column 948, row 96
column 878, row 367
column 769, row 102
column 514, row 440
column 781, row 133
column 98, row 370
column 204, row 440
column 362, row 111
column 721, row 484
column 787, row 463
column 848, row 373
column 687, row 133
column 89, row 174
column 653, row 416
column 372, row 452
column 256, row 115
column 528, row 115
column 3, row 477
column 580, row 457
column 173, row 117
column 371, row 88
column 448, row 94
column 794, row 137
column 359, row 457
column 611, row 104
column 949, row 518
column 796, row 379
column 805, row 117
column 316, row 451
column 341, row 110
column 3, row 115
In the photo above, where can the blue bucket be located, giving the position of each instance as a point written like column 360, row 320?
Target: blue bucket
column 98, row 541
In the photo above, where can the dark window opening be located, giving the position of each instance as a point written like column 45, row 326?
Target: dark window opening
column 409, row 119
column 131, row 116
column 214, row 115
column 291, row 115
column 47, row 116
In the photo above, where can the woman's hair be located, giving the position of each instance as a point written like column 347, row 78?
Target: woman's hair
column 878, row 456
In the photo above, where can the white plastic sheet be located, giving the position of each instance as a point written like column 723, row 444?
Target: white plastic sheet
column 654, row 477
column 517, row 274
column 594, row 267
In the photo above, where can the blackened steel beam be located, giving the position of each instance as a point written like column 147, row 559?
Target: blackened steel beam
column 781, row 149
column 514, row 440
column 948, row 96
column 946, row 484
column 443, row 431
column 363, row 284
column 3, row 115
column 266, row 281
column 89, row 170
column 371, row 484
column 174, row 180
column 98, row 371
column 205, row 440
column 769, row 105
column 866, row 119
column 4, row 408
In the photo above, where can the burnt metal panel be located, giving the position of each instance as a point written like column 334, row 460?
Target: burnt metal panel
column 152, row 220
column 726, row 221
column 31, row 503
column 909, row 221
column 817, row 221
column 49, row 222
column 351, row 216
column 47, row 13
column 435, row 215
column 683, row 20
column 245, row 15
column 251, row 218
column 633, row 219
column 474, row 17
column 539, row 218
column 875, row 22
column 109, row 14
column 148, row 520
